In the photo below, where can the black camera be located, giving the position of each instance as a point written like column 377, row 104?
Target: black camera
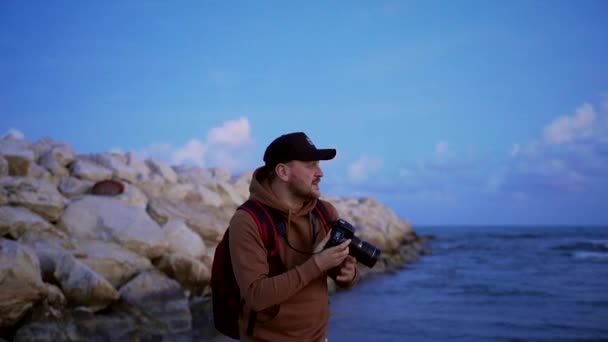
column 363, row 251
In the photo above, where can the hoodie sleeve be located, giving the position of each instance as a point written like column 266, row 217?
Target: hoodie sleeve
column 249, row 261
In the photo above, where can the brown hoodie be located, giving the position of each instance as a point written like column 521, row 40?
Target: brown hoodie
column 292, row 306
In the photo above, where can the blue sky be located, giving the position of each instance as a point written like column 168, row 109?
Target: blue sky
column 448, row 112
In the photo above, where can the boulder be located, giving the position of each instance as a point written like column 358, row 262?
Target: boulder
column 108, row 219
column 73, row 187
column 37, row 195
column 115, row 263
column 15, row 221
column 118, row 167
column 3, row 167
column 81, row 285
column 191, row 273
column 181, row 239
column 20, row 283
column 162, row 169
column 161, row 298
column 18, row 154
column 86, row 169
column 198, row 217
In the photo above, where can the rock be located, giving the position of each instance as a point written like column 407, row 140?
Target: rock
column 162, row 169
column 3, row 167
column 115, row 263
column 201, row 309
column 72, row 186
column 49, row 161
column 61, row 152
column 18, row 154
column 160, row 297
column 20, row 283
column 117, row 166
column 192, row 174
column 39, row 196
column 81, row 285
column 108, row 187
column 207, row 196
column 229, row 195
column 133, row 197
column 142, row 171
column 201, row 219
column 107, row 219
column 14, row 221
column 191, row 273
column 85, row 169
column 181, row 239
column 220, row 174
column 49, row 330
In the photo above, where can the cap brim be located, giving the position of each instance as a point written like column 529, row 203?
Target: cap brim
column 322, row 154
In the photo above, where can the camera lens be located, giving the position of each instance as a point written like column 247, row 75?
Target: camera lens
column 364, row 252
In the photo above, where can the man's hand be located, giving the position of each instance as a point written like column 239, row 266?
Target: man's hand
column 347, row 271
column 331, row 257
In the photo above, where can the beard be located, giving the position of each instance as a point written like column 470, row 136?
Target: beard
column 302, row 190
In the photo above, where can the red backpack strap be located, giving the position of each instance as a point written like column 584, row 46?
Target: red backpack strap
column 268, row 232
column 265, row 223
column 322, row 211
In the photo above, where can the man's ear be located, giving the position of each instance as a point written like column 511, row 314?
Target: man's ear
column 282, row 171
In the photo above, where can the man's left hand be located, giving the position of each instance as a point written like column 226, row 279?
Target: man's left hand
column 347, row 270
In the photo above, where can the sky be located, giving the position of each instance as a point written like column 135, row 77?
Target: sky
column 447, row 112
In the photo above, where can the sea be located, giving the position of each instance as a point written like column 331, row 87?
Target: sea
column 486, row 283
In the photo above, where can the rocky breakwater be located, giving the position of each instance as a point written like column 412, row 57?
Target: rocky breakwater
column 111, row 247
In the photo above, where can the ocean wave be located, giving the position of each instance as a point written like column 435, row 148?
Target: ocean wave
column 492, row 291
column 590, row 255
column 597, row 246
column 518, row 236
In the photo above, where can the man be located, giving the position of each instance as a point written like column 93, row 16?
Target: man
column 294, row 305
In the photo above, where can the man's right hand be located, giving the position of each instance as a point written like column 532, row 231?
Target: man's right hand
column 331, row 257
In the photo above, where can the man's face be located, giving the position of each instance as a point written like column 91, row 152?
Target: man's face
column 304, row 178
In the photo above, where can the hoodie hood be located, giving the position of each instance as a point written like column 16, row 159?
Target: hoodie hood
column 260, row 189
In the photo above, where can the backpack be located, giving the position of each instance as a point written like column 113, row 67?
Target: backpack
column 226, row 296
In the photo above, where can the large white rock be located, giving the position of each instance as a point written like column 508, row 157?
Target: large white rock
column 15, row 221
column 160, row 297
column 118, row 167
column 18, row 154
column 86, row 169
column 200, row 218
column 72, row 186
column 53, row 165
column 182, row 239
column 113, row 262
column 3, row 167
column 133, row 197
column 81, row 285
column 192, row 174
column 20, row 283
column 190, row 272
column 141, row 168
column 39, row 196
column 162, row 169
column 108, row 219
column 61, row 152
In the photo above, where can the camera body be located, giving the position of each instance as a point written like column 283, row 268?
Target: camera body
column 365, row 253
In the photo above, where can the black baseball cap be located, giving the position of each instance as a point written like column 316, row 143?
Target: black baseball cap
column 294, row 146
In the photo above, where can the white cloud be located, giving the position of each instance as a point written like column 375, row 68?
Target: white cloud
column 365, row 166
column 228, row 146
column 14, row 133
column 193, row 152
column 568, row 128
column 234, row 133
column 441, row 147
